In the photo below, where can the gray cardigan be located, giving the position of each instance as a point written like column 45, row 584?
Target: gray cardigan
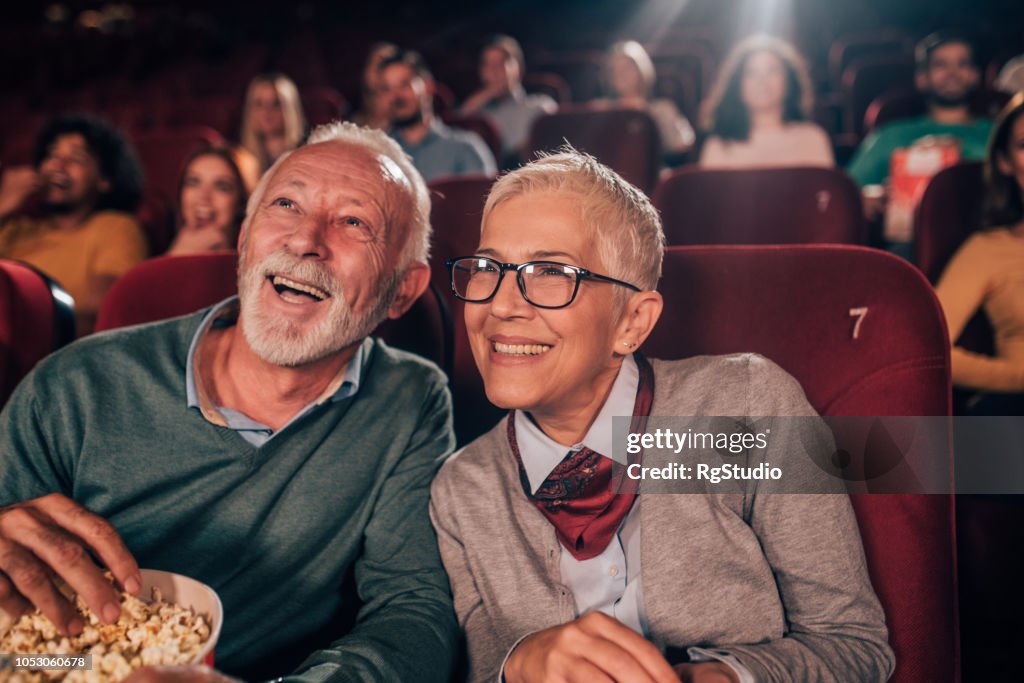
column 778, row 581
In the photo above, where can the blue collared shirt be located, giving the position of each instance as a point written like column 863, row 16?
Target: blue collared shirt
column 225, row 314
column 448, row 151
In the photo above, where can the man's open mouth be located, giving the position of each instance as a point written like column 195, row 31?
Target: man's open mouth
column 282, row 284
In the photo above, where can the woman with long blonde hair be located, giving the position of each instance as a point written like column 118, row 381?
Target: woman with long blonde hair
column 272, row 121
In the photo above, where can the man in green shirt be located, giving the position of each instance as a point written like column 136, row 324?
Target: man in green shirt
column 266, row 447
column 947, row 76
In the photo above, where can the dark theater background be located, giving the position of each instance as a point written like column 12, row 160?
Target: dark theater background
column 172, row 75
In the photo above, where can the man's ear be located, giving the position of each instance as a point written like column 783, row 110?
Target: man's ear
column 413, row 283
column 921, row 79
column 241, row 235
column 103, row 185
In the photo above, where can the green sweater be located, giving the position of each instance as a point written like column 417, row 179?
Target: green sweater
column 870, row 165
column 280, row 532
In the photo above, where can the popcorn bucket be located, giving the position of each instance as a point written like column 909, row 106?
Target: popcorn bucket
column 186, row 592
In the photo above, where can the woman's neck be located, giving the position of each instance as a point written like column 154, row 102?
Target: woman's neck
column 568, row 424
column 765, row 120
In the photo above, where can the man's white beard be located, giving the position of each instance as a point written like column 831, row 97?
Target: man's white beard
column 277, row 340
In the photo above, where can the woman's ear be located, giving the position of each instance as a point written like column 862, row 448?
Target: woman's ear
column 639, row 316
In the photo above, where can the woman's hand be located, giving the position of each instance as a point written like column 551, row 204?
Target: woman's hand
column 592, row 649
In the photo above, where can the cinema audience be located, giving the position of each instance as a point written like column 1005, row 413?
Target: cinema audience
column 70, row 214
column 757, row 114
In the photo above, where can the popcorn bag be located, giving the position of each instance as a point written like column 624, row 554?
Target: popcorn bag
column 910, row 170
column 174, row 620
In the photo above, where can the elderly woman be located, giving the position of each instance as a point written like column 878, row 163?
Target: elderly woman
column 556, row 576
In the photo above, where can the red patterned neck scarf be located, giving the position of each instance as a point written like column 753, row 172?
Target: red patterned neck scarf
column 580, row 497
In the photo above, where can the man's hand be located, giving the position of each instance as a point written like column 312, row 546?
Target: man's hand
column 16, row 184
column 592, row 649
column 178, row 674
column 707, row 672
column 50, row 537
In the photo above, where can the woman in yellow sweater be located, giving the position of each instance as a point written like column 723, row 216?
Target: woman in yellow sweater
column 988, row 270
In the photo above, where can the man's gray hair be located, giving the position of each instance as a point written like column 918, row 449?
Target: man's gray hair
column 398, row 165
column 626, row 227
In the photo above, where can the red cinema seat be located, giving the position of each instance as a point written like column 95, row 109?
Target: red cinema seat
column 456, row 212
column 222, row 113
column 36, row 317
column 760, row 206
column 879, row 43
column 582, row 70
column 322, row 104
column 861, row 330
column 552, row 85
column 867, row 78
column 163, row 153
column 949, row 211
column 624, row 139
column 169, row 286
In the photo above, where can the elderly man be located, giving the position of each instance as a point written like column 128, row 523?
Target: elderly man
column 267, row 446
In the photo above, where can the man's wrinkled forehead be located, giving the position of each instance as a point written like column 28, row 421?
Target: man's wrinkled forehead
column 397, row 187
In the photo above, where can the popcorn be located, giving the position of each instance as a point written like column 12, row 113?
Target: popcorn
column 147, row 633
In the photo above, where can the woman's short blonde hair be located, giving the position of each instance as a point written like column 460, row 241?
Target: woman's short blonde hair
column 626, row 227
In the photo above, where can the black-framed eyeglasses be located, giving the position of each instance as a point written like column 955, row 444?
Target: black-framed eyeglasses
column 544, row 284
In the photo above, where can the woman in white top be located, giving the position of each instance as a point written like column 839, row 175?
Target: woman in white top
column 757, row 112
column 630, row 76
